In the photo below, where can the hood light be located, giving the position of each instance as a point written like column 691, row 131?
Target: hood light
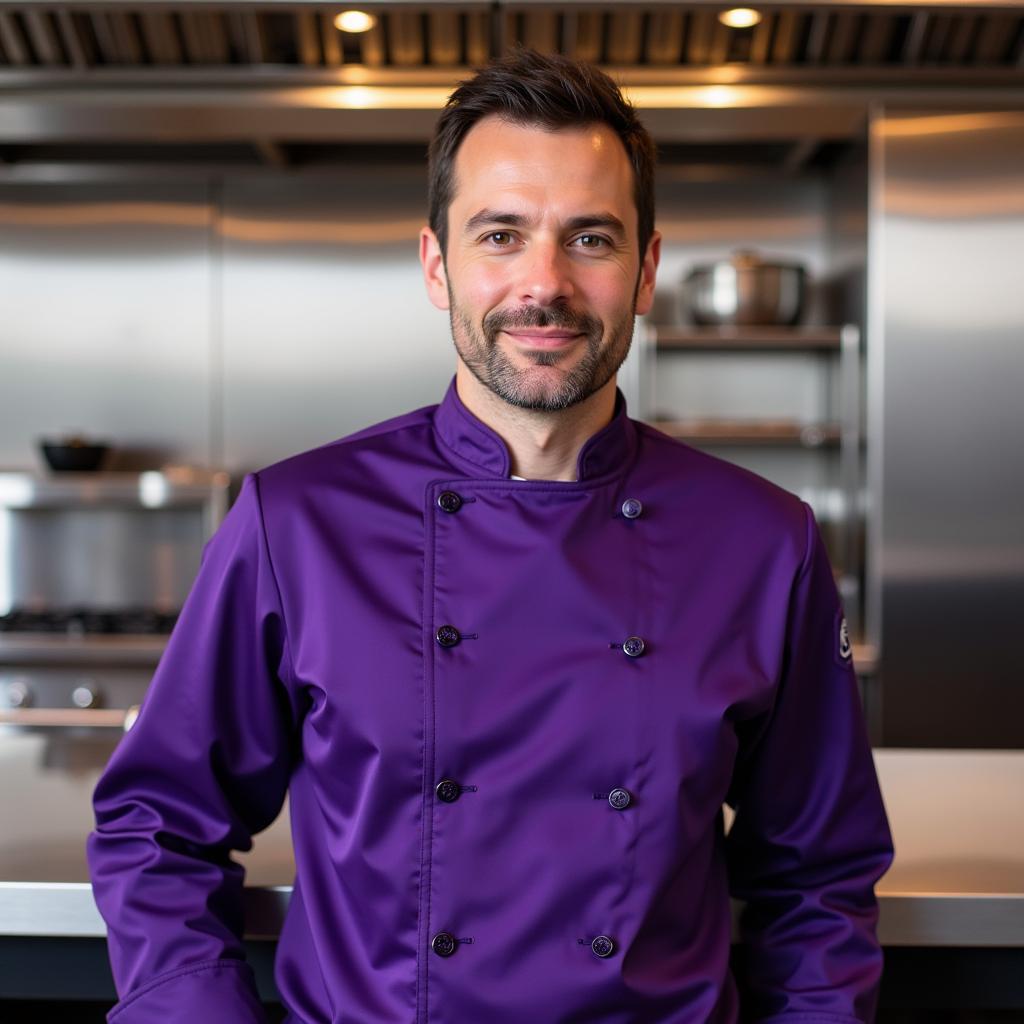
column 354, row 21
column 740, row 17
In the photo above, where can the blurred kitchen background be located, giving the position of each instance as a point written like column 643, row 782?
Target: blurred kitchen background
column 208, row 261
column 208, row 220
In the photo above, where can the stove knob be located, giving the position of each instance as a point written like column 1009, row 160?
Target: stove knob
column 85, row 696
column 18, row 695
column 130, row 715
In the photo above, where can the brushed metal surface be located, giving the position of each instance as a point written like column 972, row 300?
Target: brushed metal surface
column 957, row 880
column 97, row 649
column 104, row 301
column 65, row 718
column 98, row 557
column 253, row 318
column 104, row 540
column 793, row 221
column 240, row 38
column 326, row 323
column 67, row 910
column 946, row 364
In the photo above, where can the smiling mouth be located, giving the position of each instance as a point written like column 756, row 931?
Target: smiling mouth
column 543, row 339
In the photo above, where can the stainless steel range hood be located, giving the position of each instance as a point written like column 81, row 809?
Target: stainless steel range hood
column 270, row 77
column 251, row 36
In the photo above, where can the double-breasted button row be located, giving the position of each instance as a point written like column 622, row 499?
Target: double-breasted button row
column 448, row 790
column 445, row 944
column 451, row 502
column 448, row 636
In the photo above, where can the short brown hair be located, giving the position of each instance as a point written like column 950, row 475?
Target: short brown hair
column 552, row 92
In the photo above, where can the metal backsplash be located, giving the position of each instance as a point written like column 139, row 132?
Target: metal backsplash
column 237, row 322
column 106, row 558
column 105, row 321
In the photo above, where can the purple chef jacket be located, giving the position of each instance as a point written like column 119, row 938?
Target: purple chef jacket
column 508, row 714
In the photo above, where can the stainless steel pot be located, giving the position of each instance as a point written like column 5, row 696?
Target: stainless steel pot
column 745, row 289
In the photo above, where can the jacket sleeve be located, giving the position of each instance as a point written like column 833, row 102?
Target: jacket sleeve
column 810, row 836
column 205, row 766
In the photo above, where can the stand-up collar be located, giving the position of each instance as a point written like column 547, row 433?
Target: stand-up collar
column 471, row 439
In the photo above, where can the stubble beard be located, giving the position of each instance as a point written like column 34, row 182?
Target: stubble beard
column 479, row 349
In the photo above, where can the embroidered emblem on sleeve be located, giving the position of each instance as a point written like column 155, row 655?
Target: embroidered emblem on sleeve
column 845, row 650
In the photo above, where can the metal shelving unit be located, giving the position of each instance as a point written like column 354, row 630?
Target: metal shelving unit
column 749, row 339
column 752, row 432
column 839, row 435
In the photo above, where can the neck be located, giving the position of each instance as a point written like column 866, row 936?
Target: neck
column 541, row 445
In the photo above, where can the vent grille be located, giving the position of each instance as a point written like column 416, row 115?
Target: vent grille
column 655, row 37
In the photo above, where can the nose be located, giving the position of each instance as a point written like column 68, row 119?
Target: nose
column 544, row 273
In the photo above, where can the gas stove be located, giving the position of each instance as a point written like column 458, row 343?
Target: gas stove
column 77, row 622
column 78, row 668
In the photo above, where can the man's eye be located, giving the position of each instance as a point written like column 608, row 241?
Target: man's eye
column 592, row 241
column 501, row 238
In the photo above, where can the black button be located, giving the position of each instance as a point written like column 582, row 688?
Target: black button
column 603, row 946
column 448, row 790
column 448, row 636
column 443, row 944
column 632, row 508
column 633, row 646
column 619, row 799
column 449, row 501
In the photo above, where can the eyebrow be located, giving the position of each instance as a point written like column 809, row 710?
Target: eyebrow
column 517, row 220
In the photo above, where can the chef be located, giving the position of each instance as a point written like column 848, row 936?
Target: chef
column 511, row 655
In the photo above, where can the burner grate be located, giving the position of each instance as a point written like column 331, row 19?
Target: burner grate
column 80, row 621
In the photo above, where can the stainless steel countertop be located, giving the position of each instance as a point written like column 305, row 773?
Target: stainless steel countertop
column 957, row 819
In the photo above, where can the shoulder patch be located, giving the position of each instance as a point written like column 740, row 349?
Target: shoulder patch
column 845, row 649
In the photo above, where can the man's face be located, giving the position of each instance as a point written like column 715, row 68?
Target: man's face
column 543, row 273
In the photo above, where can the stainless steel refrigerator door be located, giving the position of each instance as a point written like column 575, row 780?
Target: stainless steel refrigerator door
column 946, row 422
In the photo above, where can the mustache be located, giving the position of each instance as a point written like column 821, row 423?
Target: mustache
column 541, row 316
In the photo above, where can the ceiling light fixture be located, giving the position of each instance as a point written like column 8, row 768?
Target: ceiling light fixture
column 355, row 21
column 740, row 17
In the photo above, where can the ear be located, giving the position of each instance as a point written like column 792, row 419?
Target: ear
column 648, row 271
column 434, row 273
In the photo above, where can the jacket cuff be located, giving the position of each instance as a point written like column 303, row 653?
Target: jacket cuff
column 214, row 990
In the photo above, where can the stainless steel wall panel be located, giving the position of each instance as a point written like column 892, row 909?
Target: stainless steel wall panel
column 947, row 308
column 105, row 318
column 705, row 221
column 109, row 557
column 327, row 327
